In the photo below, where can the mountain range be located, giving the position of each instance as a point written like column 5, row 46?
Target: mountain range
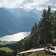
column 17, row 20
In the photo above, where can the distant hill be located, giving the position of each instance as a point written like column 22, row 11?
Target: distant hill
column 17, row 20
column 7, row 42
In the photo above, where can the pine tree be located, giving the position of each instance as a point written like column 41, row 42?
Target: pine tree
column 34, row 36
column 45, row 30
column 41, row 33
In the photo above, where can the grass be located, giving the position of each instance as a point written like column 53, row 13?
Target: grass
column 40, row 53
column 6, row 49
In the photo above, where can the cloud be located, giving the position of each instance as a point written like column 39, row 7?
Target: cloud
column 38, row 4
column 15, row 37
column 10, row 3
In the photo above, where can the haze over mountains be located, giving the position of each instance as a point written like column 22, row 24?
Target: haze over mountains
column 17, row 20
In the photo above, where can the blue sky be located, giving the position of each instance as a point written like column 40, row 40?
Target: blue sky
column 28, row 4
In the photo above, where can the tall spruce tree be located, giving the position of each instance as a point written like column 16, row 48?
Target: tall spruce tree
column 54, row 25
column 41, row 33
column 34, row 36
column 46, row 21
column 45, row 27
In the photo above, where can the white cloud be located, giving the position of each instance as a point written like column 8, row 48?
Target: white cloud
column 10, row 3
column 15, row 37
column 39, row 4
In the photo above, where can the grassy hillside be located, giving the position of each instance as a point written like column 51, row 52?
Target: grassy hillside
column 41, row 53
column 5, row 51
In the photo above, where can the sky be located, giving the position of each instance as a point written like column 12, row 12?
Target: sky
column 28, row 4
